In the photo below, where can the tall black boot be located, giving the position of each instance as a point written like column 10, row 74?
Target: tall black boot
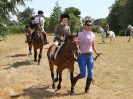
column 75, row 79
column 88, row 82
column 45, row 38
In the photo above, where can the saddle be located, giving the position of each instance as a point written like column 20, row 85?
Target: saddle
column 107, row 33
column 55, row 50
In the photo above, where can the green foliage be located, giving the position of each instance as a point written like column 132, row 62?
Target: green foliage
column 3, row 30
column 55, row 17
column 16, row 29
column 75, row 23
column 100, row 22
column 9, row 6
column 25, row 16
column 73, row 10
column 121, row 15
column 95, row 28
column 47, row 24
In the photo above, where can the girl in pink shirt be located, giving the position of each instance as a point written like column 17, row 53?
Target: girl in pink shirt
column 86, row 47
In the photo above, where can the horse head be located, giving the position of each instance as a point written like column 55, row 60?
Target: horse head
column 37, row 30
column 72, row 43
column 129, row 27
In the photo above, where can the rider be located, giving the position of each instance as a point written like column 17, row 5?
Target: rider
column 107, row 30
column 39, row 19
column 30, row 26
column 61, row 31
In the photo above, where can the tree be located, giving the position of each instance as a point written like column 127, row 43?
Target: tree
column 100, row 22
column 55, row 17
column 25, row 16
column 119, row 16
column 47, row 24
column 9, row 6
column 73, row 10
column 75, row 23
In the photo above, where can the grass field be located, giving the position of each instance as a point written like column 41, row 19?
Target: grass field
column 21, row 78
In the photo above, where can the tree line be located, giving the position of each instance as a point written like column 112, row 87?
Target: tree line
column 120, row 15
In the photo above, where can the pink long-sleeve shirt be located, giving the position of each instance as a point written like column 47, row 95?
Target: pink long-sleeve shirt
column 86, row 39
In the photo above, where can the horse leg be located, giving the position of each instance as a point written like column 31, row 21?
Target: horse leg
column 56, row 79
column 35, row 55
column 110, row 40
column 71, row 79
column 52, row 73
column 30, row 48
column 40, row 56
column 103, row 38
column 130, row 37
column 60, row 80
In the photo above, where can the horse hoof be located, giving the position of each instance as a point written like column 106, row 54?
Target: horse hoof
column 58, row 87
column 30, row 53
column 71, row 93
column 56, row 79
column 53, row 87
column 35, row 60
column 38, row 63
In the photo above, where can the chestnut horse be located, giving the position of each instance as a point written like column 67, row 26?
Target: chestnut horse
column 65, row 59
column 38, row 42
column 28, row 39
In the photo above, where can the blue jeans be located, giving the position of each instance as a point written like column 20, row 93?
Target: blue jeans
column 86, row 59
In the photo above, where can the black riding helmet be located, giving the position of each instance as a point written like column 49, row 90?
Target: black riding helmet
column 64, row 15
column 40, row 12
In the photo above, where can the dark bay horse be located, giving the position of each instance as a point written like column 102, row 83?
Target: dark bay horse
column 28, row 39
column 65, row 59
column 38, row 42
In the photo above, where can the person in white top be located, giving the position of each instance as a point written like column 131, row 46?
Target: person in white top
column 39, row 19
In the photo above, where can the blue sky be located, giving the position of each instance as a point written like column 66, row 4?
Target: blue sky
column 94, row 8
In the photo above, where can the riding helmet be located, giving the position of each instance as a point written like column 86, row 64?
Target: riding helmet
column 64, row 15
column 40, row 12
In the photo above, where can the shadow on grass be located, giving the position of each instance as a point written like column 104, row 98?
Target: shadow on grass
column 44, row 93
column 18, row 55
column 19, row 64
column 102, row 43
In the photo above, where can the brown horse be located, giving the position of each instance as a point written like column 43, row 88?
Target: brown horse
column 65, row 59
column 38, row 42
column 28, row 39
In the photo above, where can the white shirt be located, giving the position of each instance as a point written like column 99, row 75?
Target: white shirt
column 40, row 20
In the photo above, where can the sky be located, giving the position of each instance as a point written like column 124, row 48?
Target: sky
column 93, row 8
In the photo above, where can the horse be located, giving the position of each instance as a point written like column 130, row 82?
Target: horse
column 131, row 31
column 64, row 59
column 28, row 39
column 38, row 42
column 103, row 33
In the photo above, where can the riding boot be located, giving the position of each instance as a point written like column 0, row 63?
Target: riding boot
column 88, row 82
column 75, row 79
column 45, row 38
